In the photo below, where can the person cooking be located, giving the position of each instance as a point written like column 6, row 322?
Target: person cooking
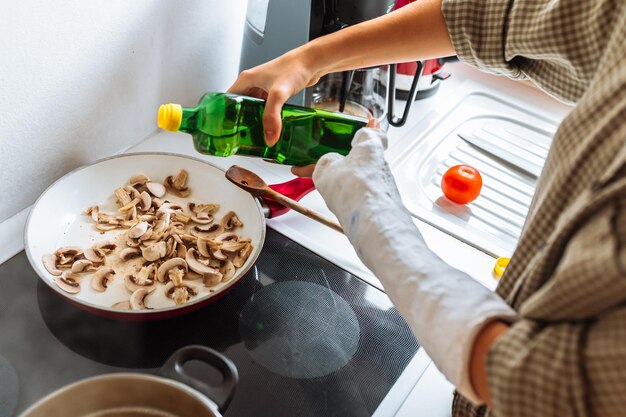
column 552, row 340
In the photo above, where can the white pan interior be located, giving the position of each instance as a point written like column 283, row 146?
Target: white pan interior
column 58, row 218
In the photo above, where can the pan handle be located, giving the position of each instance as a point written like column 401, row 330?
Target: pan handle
column 221, row 394
column 294, row 189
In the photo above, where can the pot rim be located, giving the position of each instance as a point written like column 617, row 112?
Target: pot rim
column 210, row 405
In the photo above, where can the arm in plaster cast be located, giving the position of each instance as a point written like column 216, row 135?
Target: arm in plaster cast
column 445, row 308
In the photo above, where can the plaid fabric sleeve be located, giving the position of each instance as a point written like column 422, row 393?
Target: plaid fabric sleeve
column 555, row 43
column 567, row 355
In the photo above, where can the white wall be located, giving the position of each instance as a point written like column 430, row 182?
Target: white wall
column 80, row 80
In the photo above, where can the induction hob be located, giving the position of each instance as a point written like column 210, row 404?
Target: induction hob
column 308, row 338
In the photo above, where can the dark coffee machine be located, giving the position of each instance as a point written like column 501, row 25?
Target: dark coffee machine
column 274, row 27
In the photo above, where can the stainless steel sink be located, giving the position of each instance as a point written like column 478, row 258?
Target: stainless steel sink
column 504, row 141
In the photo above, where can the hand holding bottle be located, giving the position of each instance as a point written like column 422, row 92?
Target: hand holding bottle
column 276, row 81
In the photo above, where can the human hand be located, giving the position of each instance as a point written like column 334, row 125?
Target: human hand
column 307, row 170
column 276, row 81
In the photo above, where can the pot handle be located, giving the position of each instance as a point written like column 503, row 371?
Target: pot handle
column 221, row 394
column 391, row 117
column 294, row 189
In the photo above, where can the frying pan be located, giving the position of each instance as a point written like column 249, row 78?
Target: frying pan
column 58, row 219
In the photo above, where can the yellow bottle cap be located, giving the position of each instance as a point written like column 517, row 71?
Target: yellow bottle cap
column 170, row 117
column 500, row 266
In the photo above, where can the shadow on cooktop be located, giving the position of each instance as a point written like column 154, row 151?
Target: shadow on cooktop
column 145, row 344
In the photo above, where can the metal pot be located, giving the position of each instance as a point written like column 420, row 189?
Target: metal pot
column 173, row 394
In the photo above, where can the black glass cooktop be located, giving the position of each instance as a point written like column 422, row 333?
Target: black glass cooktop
column 308, row 338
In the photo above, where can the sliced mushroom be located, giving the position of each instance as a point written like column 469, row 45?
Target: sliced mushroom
column 156, row 189
column 148, row 217
column 180, row 180
column 107, row 222
column 167, row 266
column 145, row 201
column 169, row 207
column 192, row 276
column 180, row 294
column 157, row 202
column 68, row 254
column 82, row 265
column 69, row 282
column 129, row 253
column 181, row 217
column 192, row 262
column 216, row 263
column 138, row 230
column 207, row 246
column 227, row 237
column 133, row 243
column 132, row 192
column 210, row 232
column 123, row 198
column 106, row 227
column 216, row 252
column 209, row 208
column 178, row 185
column 121, row 305
column 242, row 255
column 181, row 250
column 93, row 211
column 161, row 225
column 130, row 205
column 177, row 276
column 146, row 235
column 50, row 263
column 228, row 271
column 230, row 221
column 143, row 278
column 94, row 255
column 188, row 239
column 212, row 279
column 138, row 179
column 138, row 298
column 177, row 227
column 202, row 213
column 105, row 247
column 131, row 214
column 232, row 246
column 154, row 251
column 100, row 280
column 105, row 218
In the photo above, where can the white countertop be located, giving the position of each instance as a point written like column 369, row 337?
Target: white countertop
column 429, row 395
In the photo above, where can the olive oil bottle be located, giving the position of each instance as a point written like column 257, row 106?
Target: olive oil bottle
column 226, row 124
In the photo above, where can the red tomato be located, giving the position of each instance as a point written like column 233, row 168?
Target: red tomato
column 461, row 184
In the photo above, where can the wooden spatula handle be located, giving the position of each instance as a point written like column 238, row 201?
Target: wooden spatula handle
column 312, row 214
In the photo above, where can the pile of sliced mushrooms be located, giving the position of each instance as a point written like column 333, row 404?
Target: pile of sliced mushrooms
column 171, row 245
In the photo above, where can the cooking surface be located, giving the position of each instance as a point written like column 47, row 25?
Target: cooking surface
column 308, row 338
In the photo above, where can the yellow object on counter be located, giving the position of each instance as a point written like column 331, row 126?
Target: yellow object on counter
column 170, row 116
column 500, row 266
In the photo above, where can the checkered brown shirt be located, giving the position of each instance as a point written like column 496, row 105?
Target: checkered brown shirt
column 567, row 279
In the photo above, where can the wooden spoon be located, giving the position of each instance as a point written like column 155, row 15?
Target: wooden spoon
column 253, row 184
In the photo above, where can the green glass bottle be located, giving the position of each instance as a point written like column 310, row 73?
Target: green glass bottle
column 226, row 124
